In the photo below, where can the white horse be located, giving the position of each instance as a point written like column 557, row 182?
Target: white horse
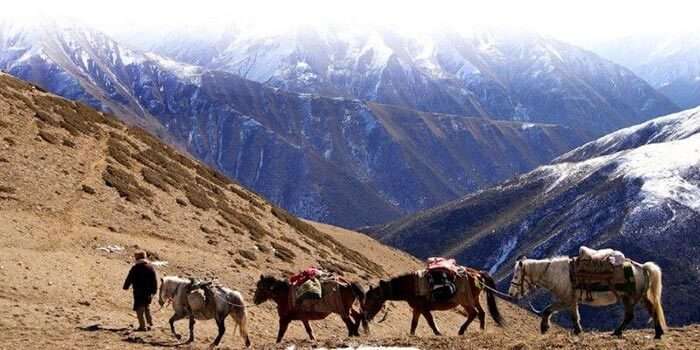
column 187, row 303
column 553, row 275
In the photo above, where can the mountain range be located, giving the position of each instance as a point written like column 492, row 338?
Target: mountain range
column 491, row 73
column 669, row 62
column 333, row 150
column 637, row 190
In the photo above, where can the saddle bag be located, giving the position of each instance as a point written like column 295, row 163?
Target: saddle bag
column 442, row 286
column 590, row 275
column 309, row 290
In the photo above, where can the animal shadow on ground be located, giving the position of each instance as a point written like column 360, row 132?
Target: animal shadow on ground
column 129, row 336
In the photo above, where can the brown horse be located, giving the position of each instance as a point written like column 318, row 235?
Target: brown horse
column 280, row 291
column 406, row 288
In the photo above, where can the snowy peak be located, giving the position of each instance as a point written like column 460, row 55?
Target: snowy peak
column 83, row 64
column 499, row 74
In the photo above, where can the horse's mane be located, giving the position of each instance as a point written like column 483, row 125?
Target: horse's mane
column 176, row 279
column 276, row 280
column 399, row 278
column 397, row 282
column 558, row 258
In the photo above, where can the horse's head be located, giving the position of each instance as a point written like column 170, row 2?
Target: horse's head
column 266, row 289
column 374, row 300
column 521, row 283
column 161, row 300
column 167, row 289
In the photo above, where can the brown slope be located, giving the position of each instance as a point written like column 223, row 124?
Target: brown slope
column 73, row 181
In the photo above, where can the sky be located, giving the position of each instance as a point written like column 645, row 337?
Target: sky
column 578, row 22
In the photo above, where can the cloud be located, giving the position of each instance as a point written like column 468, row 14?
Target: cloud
column 568, row 20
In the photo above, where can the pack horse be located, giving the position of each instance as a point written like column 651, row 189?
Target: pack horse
column 443, row 285
column 596, row 278
column 312, row 295
column 203, row 301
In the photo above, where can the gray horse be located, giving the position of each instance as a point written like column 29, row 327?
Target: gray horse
column 188, row 303
column 554, row 275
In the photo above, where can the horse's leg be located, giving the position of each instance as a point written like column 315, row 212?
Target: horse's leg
column 192, row 322
column 471, row 315
column 221, row 324
column 547, row 314
column 481, row 314
column 284, row 323
column 414, row 321
column 629, row 316
column 431, row 322
column 352, row 327
column 309, row 331
column 576, row 318
column 658, row 330
column 359, row 320
column 173, row 319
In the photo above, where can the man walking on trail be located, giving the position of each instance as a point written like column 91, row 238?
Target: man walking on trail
column 142, row 278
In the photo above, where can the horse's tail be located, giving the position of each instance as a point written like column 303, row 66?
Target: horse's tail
column 240, row 316
column 360, row 295
column 491, row 299
column 653, row 293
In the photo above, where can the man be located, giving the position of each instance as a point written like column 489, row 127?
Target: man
column 142, row 278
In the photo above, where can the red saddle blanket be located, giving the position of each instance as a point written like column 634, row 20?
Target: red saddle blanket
column 305, row 275
column 438, row 263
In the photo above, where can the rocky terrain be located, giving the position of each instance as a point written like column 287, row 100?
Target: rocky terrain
column 636, row 190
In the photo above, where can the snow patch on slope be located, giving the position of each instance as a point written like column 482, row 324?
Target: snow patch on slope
column 670, row 171
column 192, row 74
column 672, row 127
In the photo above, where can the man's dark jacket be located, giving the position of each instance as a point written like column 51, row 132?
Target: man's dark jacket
column 142, row 277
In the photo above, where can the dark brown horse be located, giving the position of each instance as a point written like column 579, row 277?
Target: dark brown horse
column 279, row 291
column 406, row 288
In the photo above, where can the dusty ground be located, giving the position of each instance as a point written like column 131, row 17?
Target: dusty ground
column 56, row 212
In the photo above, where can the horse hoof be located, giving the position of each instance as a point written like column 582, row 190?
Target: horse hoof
column 544, row 329
column 178, row 337
column 247, row 342
column 190, row 341
column 617, row 334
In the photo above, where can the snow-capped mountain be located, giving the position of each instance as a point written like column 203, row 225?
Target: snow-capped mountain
column 501, row 75
column 83, row 64
column 637, row 190
column 338, row 160
column 670, row 63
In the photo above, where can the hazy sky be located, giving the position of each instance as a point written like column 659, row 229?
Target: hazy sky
column 580, row 22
